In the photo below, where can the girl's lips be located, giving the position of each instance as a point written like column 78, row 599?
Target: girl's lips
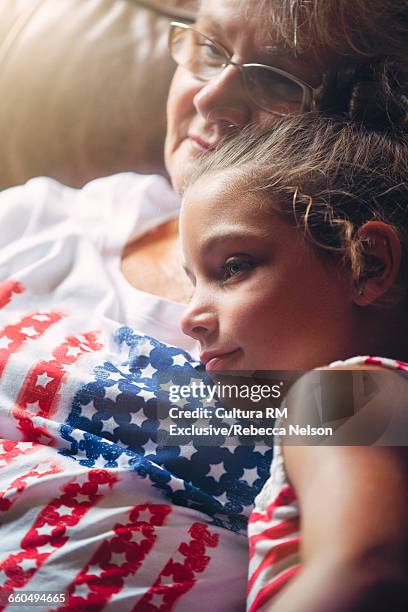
column 218, row 361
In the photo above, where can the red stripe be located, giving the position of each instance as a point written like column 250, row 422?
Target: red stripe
column 285, row 497
column 7, row 289
column 378, row 361
column 12, row 449
column 46, row 396
column 276, row 554
column 117, row 558
column 274, row 533
column 35, row 545
column 18, row 485
column 179, row 576
column 270, row 590
column 28, row 328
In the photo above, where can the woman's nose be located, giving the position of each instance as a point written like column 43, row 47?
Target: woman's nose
column 198, row 322
column 223, row 99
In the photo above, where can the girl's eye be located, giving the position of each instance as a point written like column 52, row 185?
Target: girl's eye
column 235, row 267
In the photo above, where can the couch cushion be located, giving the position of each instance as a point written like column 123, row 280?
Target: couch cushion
column 84, row 87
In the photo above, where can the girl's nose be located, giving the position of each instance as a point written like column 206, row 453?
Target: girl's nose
column 223, row 99
column 199, row 322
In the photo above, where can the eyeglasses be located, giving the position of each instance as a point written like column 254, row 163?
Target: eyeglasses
column 270, row 88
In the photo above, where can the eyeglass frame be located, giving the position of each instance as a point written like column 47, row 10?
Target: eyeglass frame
column 309, row 92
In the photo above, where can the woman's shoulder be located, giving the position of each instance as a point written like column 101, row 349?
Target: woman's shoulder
column 113, row 204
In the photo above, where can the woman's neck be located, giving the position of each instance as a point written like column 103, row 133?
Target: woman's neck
column 153, row 264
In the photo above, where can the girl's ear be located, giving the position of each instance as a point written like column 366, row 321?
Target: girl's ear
column 380, row 262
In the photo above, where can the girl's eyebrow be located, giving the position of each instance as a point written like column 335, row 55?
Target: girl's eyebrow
column 229, row 234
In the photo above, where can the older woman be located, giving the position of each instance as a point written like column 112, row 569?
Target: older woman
column 95, row 505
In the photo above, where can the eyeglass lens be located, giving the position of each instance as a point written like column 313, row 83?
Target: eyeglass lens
column 205, row 59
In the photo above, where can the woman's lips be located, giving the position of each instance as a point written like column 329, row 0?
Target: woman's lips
column 204, row 145
column 217, row 361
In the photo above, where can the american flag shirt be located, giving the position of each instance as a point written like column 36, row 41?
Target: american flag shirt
column 91, row 506
column 274, row 525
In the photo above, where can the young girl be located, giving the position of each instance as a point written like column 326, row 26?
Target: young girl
column 296, row 242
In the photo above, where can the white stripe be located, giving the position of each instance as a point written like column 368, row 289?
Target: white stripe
column 263, row 547
column 269, row 573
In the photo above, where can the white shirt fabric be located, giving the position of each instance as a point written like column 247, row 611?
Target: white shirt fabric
column 66, row 245
column 89, row 503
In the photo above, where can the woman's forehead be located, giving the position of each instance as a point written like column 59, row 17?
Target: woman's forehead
column 233, row 22
column 237, row 13
column 263, row 31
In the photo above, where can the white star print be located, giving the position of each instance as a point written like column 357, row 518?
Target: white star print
column 43, row 439
column 137, row 537
column 179, row 360
column 216, row 470
column 177, row 484
column 156, row 599
column 43, row 380
column 33, row 407
column 100, row 462
column 144, row 516
column 118, row 558
column 123, row 460
column 40, row 317
column 250, row 474
column 147, row 394
column 3, row 579
column 110, row 425
column 27, row 564
column 223, row 499
column 166, row 386
column 82, row 590
column 150, row 447
column 145, row 347
column 85, row 348
column 80, row 498
column 135, row 418
column 148, row 371
column 73, row 351
column 30, row 479
column 29, row 331
column 47, row 549
column 115, row 376
column 95, row 570
column 45, row 529
column 5, row 342
column 169, row 580
column 43, row 468
column 88, row 410
column 64, row 511
column 180, row 403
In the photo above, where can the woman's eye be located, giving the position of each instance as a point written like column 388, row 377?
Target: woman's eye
column 236, row 267
column 210, row 52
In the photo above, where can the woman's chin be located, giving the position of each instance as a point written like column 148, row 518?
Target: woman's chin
column 182, row 163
